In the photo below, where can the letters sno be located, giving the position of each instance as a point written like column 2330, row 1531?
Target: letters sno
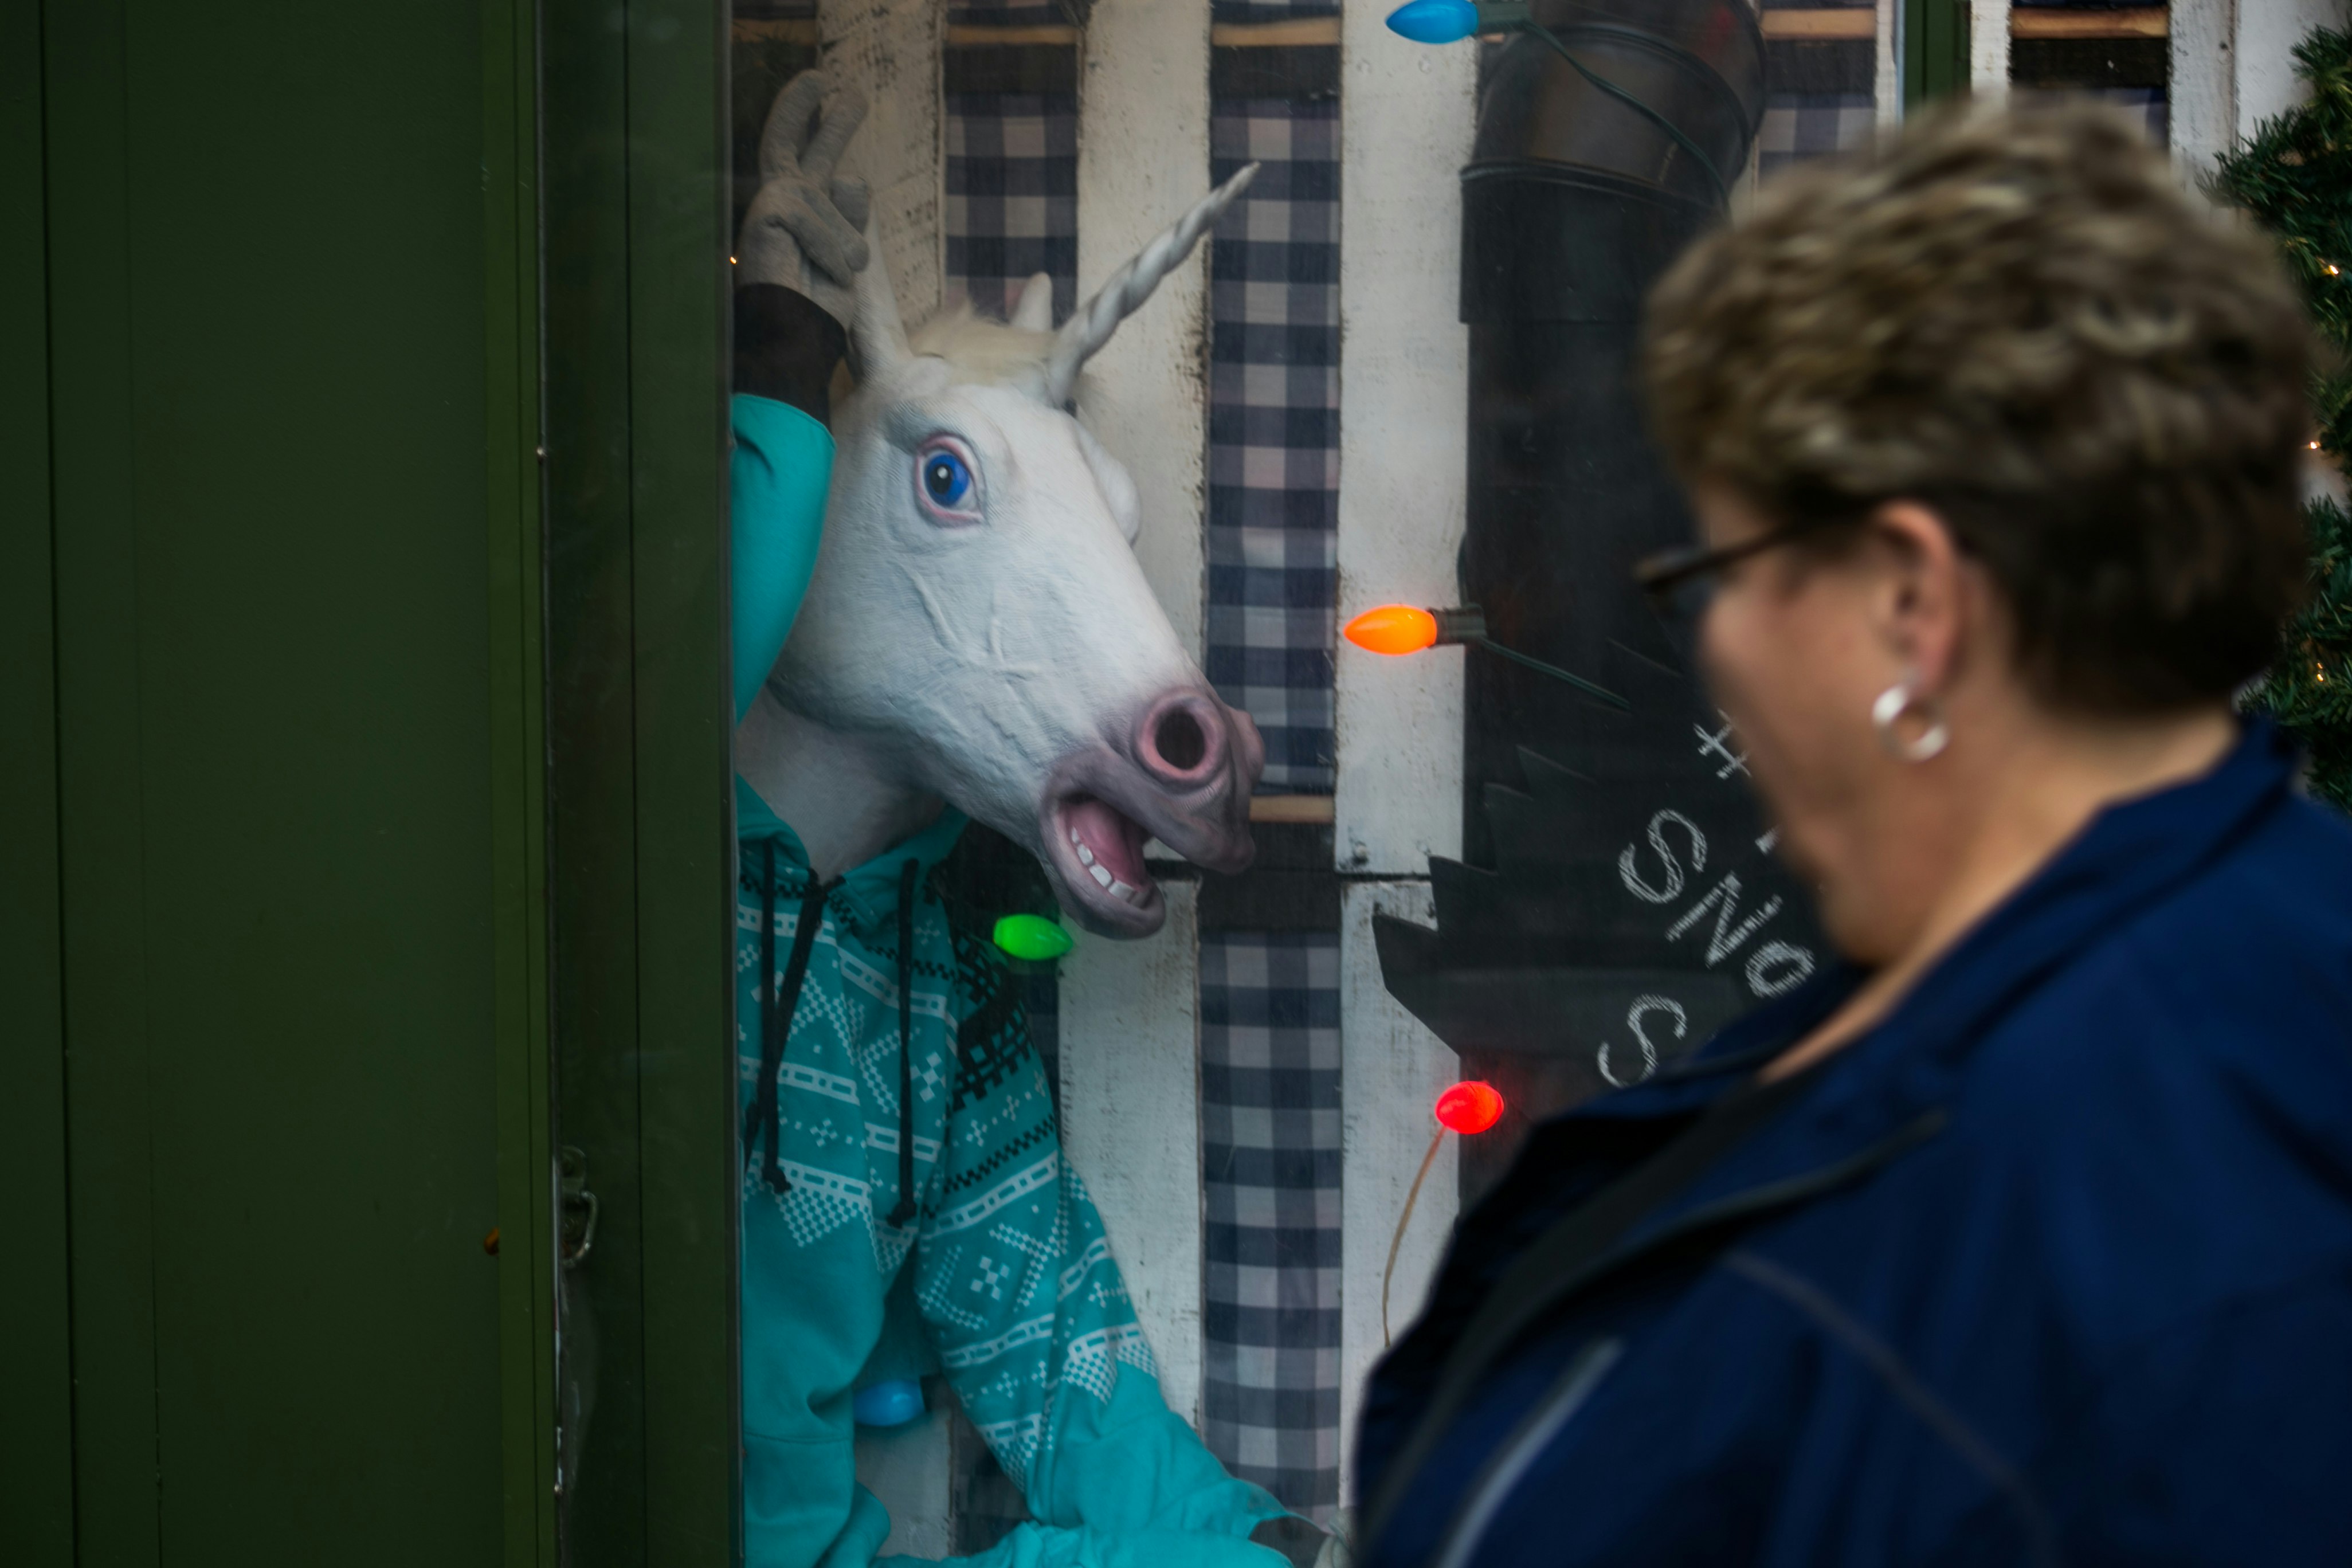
column 1660, row 878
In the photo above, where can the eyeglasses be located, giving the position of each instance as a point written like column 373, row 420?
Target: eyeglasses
column 1680, row 584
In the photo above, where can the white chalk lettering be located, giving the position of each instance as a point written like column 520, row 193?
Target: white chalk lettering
column 1716, row 745
column 1728, row 937
column 1631, row 877
column 1777, row 967
column 1643, row 1006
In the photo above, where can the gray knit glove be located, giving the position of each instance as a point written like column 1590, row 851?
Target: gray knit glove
column 805, row 229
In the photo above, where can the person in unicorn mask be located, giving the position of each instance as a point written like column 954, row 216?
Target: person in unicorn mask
column 905, row 1205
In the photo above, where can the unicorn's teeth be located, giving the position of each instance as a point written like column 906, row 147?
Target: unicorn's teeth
column 1086, row 855
column 1124, row 891
column 1074, row 836
column 1101, row 875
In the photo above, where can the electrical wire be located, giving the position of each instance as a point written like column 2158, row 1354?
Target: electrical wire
column 1405, row 1219
column 1600, row 692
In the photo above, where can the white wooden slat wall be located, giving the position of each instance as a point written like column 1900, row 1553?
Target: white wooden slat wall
column 1131, row 1123
column 2201, row 94
column 1406, row 117
column 1406, row 121
column 1988, row 48
column 1143, row 159
column 889, row 51
column 1887, row 91
column 2267, row 33
column 1391, row 1068
column 1130, row 1011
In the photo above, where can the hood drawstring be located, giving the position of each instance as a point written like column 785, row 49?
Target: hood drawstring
column 905, row 1210
column 777, row 1004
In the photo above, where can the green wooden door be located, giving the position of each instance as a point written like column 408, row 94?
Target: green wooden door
column 275, row 1053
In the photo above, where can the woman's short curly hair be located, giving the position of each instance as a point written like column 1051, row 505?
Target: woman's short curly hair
column 2020, row 319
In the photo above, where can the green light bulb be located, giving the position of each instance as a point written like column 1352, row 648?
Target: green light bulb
column 1032, row 937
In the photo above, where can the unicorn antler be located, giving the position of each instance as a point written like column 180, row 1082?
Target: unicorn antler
column 1086, row 333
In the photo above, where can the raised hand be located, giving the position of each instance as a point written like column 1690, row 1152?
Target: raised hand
column 805, row 229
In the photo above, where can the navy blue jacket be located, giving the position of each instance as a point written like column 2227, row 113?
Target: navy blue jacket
column 2053, row 1266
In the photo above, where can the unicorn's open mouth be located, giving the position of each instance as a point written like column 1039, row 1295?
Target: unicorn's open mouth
column 1102, row 803
column 1108, row 847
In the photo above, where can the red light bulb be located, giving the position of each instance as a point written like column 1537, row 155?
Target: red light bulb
column 1469, row 1106
column 1392, row 629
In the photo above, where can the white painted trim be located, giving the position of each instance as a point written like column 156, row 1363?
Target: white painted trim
column 1887, row 89
column 1130, row 1069
column 1988, row 48
column 1392, row 1071
column 889, row 51
column 2268, row 31
column 1143, row 159
column 1406, row 118
column 2201, row 89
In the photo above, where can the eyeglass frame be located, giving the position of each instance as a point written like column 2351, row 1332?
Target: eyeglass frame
column 1659, row 575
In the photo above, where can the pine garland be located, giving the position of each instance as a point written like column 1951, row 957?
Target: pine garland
column 2295, row 176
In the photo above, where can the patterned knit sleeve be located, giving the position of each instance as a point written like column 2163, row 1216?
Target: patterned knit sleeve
column 1028, row 1311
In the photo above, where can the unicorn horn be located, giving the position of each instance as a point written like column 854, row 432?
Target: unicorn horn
column 1086, row 333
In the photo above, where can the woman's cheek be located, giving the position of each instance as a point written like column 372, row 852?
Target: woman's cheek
column 1728, row 659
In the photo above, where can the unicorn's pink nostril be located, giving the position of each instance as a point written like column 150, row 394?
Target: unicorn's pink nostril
column 1181, row 740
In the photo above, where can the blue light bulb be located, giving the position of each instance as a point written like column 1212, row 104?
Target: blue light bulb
column 891, row 1404
column 1435, row 21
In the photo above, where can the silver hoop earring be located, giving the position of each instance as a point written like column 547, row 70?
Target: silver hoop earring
column 1893, row 704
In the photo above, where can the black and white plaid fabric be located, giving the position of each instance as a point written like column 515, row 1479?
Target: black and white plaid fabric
column 1013, row 197
column 1270, row 1165
column 1819, row 93
column 1274, row 431
column 1801, row 125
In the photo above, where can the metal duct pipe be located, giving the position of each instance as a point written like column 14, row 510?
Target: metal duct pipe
column 1572, row 205
column 1545, row 973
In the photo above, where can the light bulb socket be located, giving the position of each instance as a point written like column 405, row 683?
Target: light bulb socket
column 1462, row 623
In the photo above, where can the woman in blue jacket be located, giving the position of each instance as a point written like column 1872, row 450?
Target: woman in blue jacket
column 2026, row 1235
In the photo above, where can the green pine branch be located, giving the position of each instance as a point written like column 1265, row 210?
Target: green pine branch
column 2296, row 176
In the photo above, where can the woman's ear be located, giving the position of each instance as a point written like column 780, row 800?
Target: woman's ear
column 1921, row 593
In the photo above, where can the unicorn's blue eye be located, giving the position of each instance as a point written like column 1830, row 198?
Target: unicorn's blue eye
column 945, row 478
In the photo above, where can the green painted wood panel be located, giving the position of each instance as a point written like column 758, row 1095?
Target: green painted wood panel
column 97, row 591
column 35, row 1392
column 288, row 717
column 514, row 449
column 1935, row 50
column 592, row 782
column 290, row 335
column 680, row 297
column 642, row 855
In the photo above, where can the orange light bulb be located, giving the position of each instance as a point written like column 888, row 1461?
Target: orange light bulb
column 1393, row 629
column 1469, row 1108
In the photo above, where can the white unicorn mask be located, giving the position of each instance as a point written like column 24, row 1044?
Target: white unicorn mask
column 978, row 630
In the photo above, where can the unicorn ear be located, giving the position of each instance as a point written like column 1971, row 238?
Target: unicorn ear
column 1084, row 333
column 877, row 339
column 1035, row 313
